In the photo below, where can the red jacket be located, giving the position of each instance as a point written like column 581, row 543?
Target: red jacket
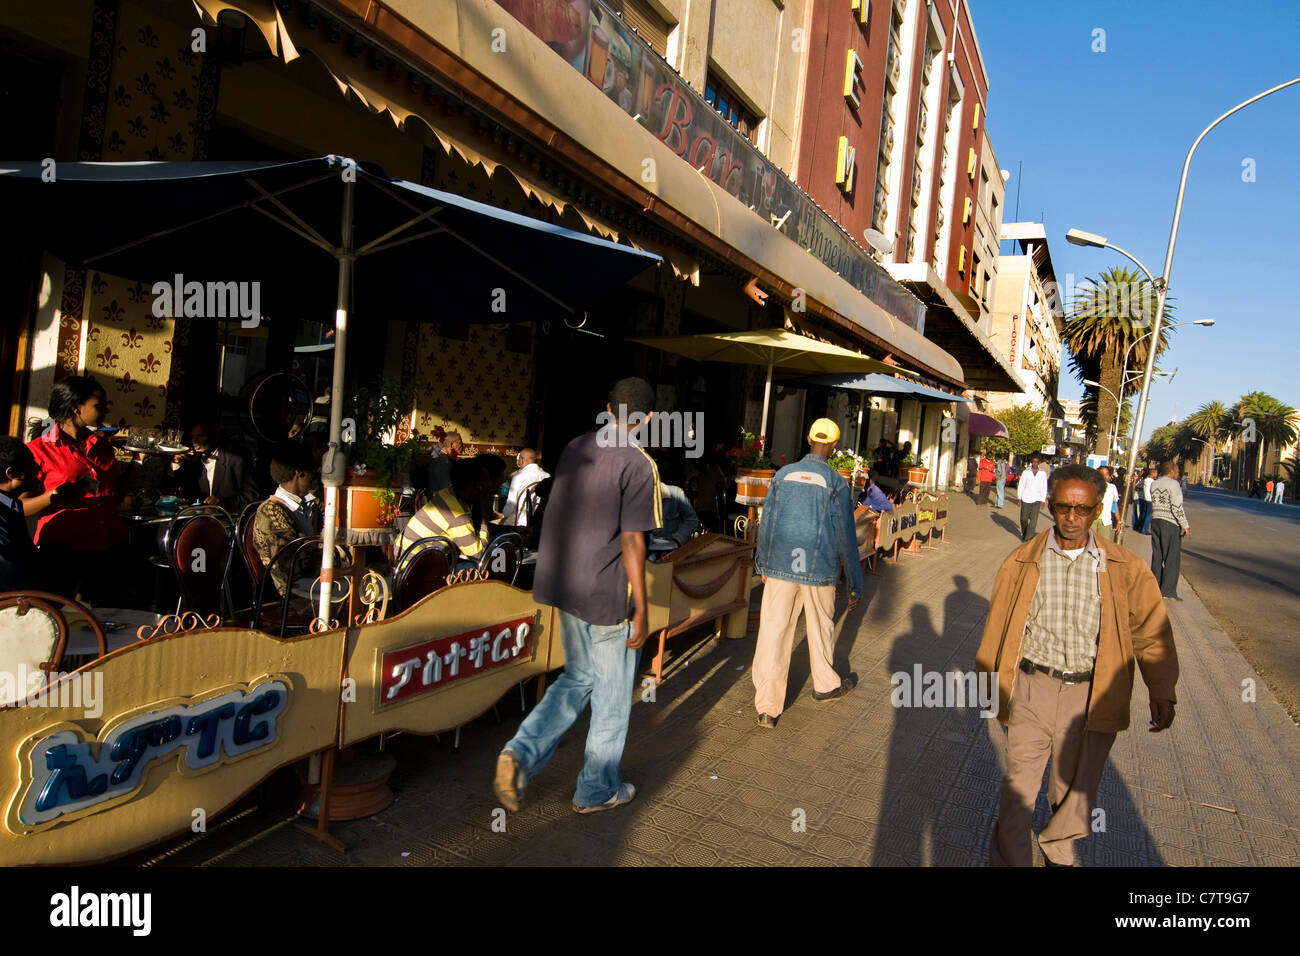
column 986, row 470
column 89, row 523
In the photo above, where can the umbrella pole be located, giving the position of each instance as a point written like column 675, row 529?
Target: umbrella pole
column 857, row 441
column 333, row 470
column 767, row 398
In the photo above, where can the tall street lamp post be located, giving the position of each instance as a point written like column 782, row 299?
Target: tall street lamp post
column 1162, row 288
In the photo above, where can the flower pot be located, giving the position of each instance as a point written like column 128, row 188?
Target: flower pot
column 752, row 484
column 859, row 482
column 917, row 474
column 359, row 507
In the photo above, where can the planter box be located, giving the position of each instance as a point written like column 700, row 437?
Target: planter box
column 917, row 474
column 752, row 484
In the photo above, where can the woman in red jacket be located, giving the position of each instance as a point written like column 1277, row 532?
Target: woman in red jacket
column 80, row 540
column 985, row 478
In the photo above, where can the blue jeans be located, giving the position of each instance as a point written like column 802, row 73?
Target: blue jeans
column 1146, row 517
column 1002, row 493
column 600, row 667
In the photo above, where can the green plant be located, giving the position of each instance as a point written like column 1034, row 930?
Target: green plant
column 1027, row 428
column 376, row 410
column 750, row 453
column 845, row 460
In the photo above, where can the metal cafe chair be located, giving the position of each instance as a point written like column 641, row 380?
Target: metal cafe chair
column 290, row 557
column 200, row 546
column 424, row 567
column 500, row 559
column 34, row 634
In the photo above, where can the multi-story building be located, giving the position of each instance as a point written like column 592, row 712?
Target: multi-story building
column 666, row 124
column 892, row 142
column 1026, row 315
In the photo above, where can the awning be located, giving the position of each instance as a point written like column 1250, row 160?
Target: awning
column 569, row 102
column 878, row 384
column 774, row 348
column 278, row 224
column 987, row 426
column 949, row 325
column 316, row 231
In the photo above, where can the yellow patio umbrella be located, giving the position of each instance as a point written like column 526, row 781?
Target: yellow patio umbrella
column 775, row 348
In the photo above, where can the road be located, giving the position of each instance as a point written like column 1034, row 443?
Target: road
column 1243, row 560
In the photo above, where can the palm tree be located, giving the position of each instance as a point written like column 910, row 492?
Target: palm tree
column 1111, row 313
column 1088, row 414
column 1212, row 424
column 1263, row 421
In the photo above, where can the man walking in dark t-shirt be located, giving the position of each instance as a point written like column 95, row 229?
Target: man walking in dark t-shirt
column 590, row 565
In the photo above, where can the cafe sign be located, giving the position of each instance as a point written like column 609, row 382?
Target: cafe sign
column 419, row 668
column 598, row 43
column 65, row 773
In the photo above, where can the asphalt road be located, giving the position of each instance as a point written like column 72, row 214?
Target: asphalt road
column 1243, row 560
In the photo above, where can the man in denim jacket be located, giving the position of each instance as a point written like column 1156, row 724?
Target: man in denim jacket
column 805, row 536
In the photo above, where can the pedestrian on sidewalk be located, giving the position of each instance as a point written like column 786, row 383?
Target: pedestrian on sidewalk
column 1032, row 492
column 986, row 472
column 591, row 567
column 1000, row 474
column 1105, row 525
column 1278, row 491
column 1255, row 489
column 1168, row 528
column 1147, row 484
column 1069, row 616
column 1268, row 490
column 806, row 536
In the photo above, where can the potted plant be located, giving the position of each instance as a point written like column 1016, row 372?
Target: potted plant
column 851, row 466
column 916, row 468
column 754, row 469
column 380, row 466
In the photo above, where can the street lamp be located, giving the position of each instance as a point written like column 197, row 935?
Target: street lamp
column 1080, row 238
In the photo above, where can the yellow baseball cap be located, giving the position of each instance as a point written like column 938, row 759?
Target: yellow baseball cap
column 824, row 430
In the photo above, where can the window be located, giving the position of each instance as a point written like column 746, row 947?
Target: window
column 650, row 26
column 722, row 99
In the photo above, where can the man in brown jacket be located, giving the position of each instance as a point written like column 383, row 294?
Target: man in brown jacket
column 1069, row 615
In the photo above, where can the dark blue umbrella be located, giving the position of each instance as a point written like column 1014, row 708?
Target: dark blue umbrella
column 313, row 234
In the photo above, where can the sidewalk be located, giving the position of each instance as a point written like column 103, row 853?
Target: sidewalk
column 870, row 783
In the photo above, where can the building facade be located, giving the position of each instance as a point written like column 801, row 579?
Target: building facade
column 668, row 125
column 1027, row 315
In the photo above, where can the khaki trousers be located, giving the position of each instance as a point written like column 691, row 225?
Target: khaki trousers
column 782, row 602
column 1046, row 719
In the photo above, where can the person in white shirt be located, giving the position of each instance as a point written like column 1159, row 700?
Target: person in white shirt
column 529, row 473
column 1147, row 482
column 1032, row 492
column 1278, row 489
column 1105, row 524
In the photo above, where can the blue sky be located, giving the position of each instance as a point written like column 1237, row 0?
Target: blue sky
column 1102, row 136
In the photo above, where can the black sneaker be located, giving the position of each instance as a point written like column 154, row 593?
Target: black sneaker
column 766, row 720
column 846, row 685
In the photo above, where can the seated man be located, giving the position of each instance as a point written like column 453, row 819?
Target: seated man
column 285, row 516
column 529, row 473
column 214, row 473
column 680, row 519
column 448, row 513
column 874, row 498
column 443, row 456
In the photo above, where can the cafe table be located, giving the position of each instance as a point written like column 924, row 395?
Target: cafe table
column 121, row 627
